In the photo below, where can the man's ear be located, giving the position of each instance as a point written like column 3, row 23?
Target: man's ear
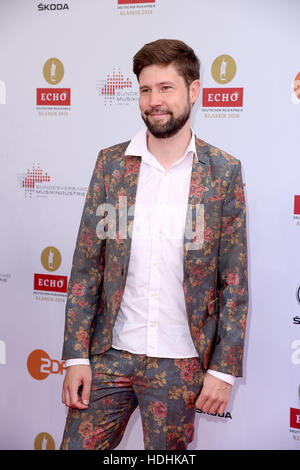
column 194, row 91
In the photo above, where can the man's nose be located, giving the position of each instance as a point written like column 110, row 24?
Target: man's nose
column 155, row 99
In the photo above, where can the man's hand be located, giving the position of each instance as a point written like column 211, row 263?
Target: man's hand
column 76, row 376
column 214, row 395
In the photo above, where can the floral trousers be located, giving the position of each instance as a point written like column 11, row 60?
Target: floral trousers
column 164, row 389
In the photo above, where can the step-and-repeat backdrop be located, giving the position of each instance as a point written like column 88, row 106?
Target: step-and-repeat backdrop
column 67, row 90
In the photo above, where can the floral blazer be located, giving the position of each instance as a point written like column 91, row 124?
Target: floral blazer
column 215, row 257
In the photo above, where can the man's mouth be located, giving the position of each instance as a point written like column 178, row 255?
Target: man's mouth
column 157, row 113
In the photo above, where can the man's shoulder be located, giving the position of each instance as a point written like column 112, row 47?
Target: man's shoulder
column 115, row 150
column 213, row 155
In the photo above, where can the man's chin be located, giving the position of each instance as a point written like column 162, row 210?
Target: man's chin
column 155, row 125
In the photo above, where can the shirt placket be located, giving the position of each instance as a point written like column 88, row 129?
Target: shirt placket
column 155, row 275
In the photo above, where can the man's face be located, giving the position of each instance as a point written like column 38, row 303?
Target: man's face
column 165, row 100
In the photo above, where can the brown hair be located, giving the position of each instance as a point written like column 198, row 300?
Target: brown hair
column 165, row 52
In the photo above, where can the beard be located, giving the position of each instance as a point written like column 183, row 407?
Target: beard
column 163, row 130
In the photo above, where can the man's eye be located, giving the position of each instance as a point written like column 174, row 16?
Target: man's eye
column 166, row 88
column 145, row 90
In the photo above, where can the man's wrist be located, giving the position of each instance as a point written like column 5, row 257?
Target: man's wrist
column 220, row 375
column 77, row 362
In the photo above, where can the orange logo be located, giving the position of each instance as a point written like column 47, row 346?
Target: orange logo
column 40, row 365
column 297, row 86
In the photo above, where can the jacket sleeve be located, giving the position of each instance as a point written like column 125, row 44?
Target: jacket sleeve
column 87, row 272
column 227, row 356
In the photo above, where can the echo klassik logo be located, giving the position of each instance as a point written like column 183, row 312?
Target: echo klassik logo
column 51, row 261
column 44, row 441
column 297, row 209
column 130, row 2
column 136, row 7
column 40, row 365
column 296, row 205
column 295, row 418
column 223, row 71
column 53, row 72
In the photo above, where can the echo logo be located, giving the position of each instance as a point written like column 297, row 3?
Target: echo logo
column 2, row 352
column 295, row 418
column 44, row 441
column 58, row 97
column 216, row 97
column 128, row 2
column 40, row 365
column 50, row 283
column 296, row 354
column 2, row 92
column 296, row 204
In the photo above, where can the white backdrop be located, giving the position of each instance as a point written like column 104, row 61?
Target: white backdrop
column 46, row 161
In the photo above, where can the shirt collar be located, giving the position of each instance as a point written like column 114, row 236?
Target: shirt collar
column 138, row 146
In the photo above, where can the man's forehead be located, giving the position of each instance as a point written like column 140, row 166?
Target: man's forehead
column 160, row 73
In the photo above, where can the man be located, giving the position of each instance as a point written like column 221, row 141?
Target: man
column 157, row 304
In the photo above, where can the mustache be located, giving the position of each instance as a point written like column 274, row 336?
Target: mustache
column 149, row 112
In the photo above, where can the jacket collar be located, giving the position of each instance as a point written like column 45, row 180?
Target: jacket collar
column 202, row 149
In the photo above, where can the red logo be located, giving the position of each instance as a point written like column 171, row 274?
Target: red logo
column 116, row 81
column 35, row 175
column 222, row 97
column 295, row 418
column 53, row 96
column 50, row 283
column 297, row 205
column 40, row 365
column 128, row 2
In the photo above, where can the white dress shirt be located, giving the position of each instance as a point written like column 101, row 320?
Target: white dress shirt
column 152, row 317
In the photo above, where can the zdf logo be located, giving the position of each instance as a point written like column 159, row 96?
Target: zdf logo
column 40, row 365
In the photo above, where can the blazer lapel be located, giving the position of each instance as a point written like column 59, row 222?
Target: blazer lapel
column 199, row 184
column 194, row 227
column 130, row 182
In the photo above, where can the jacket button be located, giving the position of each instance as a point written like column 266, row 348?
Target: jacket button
column 122, row 271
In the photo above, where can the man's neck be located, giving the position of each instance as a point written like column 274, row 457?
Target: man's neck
column 168, row 150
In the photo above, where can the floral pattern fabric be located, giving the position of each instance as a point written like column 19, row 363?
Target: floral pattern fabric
column 215, row 273
column 164, row 389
